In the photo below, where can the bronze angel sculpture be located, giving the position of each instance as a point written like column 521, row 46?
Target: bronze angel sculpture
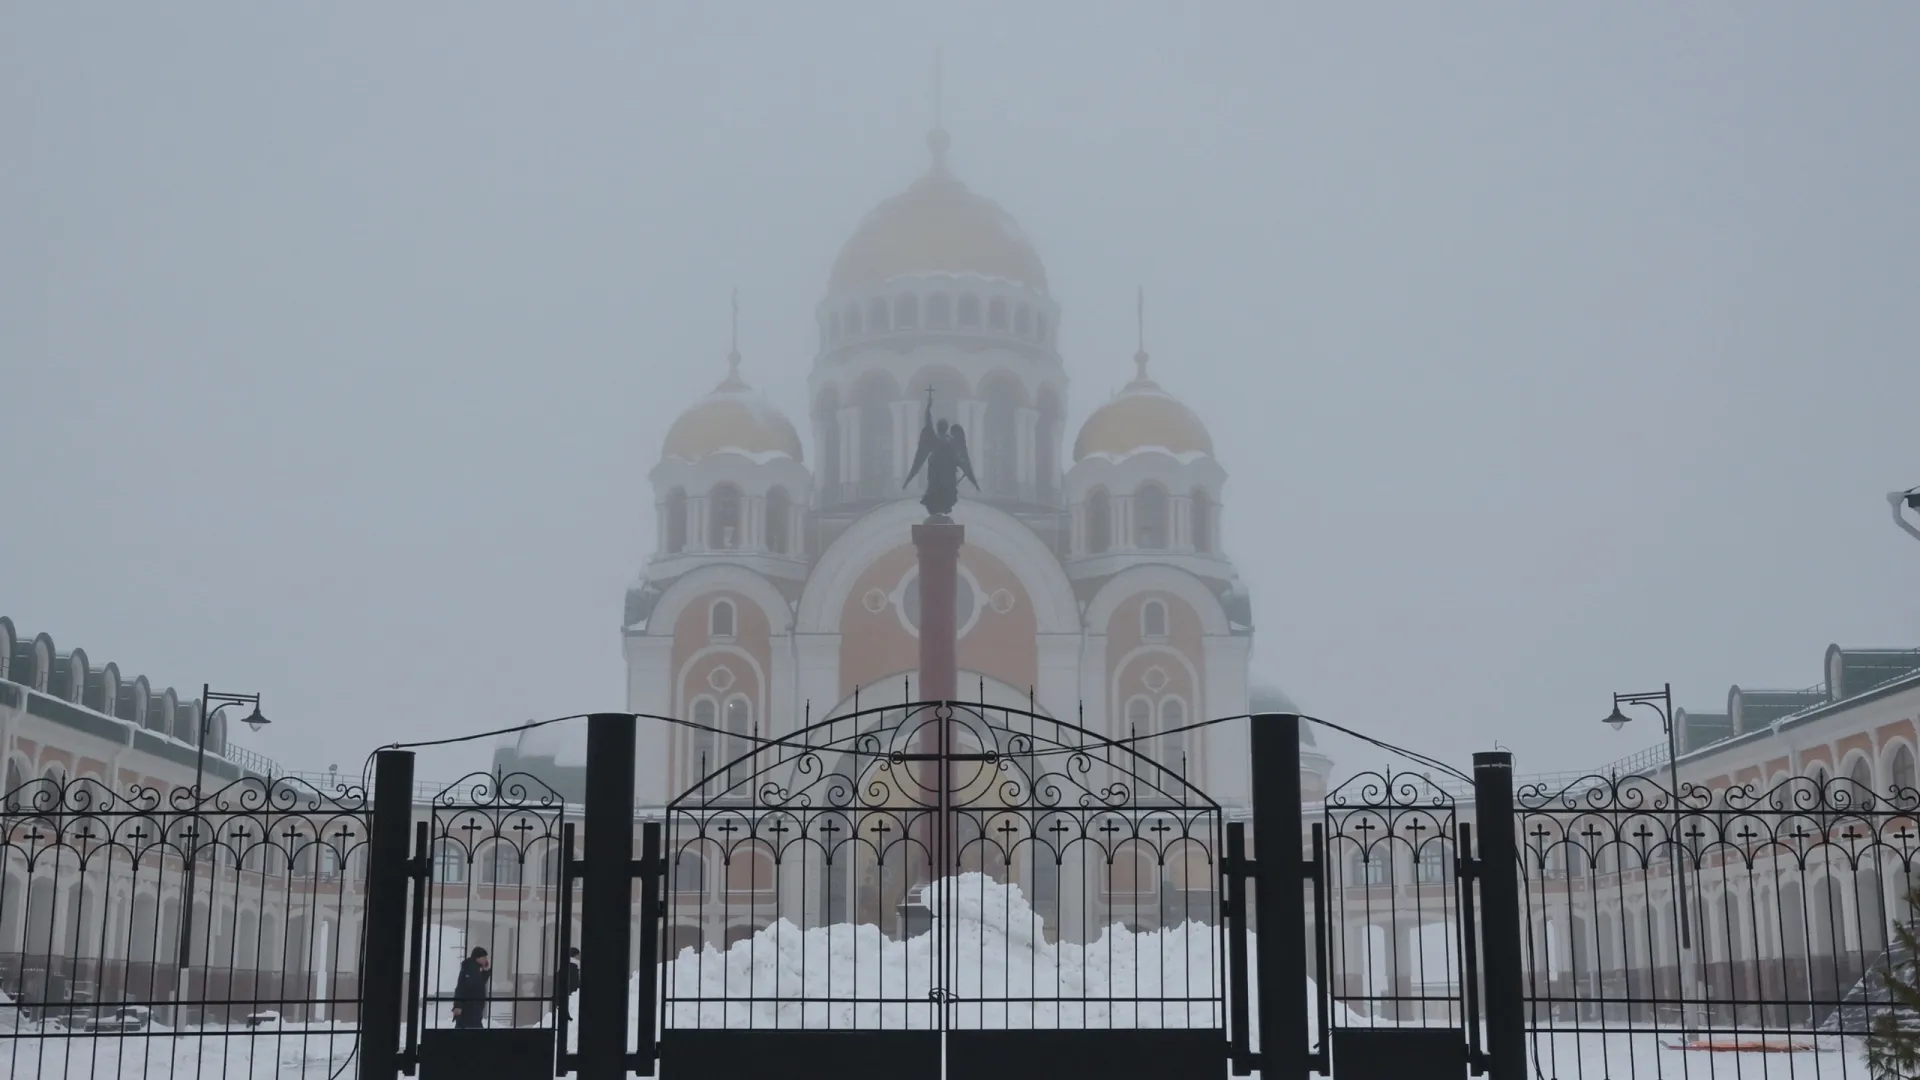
column 943, row 452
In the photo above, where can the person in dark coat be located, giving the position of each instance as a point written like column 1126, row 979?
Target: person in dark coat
column 567, row 983
column 470, row 993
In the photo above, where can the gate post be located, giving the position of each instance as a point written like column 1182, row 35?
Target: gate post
column 382, row 964
column 1278, row 861
column 606, row 897
column 1500, row 929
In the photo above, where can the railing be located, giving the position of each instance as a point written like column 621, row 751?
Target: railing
column 252, row 761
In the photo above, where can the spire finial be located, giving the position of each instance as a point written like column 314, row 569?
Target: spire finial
column 937, row 138
column 733, row 340
column 1140, row 332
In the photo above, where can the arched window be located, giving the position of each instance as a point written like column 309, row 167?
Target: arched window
column 676, row 521
column 688, row 875
column 939, row 311
column 876, row 439
column 1002, row 442
column 1153, row 619
column 1900, row 775
column 500, row 865
column 1150, row 518
column 723, row 518
column 1046, row 436
column 906, row 311
column 1139, row 717
column 1023, row 321
column 1201, row 508
column 997, row 315
column 15, row 781
column 1099, row 522
column 779, row 509
column 449, row 862
column 1173, row 748
column 969, row 312
column 826, row 421
column 739, row 728
column 720, row 619
column 702, row 749
column 876, row 315
column 1859, row 790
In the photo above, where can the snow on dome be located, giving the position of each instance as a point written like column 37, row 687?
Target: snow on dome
column 734, row 417
column 1143, row 416
column 937, row 225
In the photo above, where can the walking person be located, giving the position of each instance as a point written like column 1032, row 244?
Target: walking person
column 566, row 983
column 470, row 993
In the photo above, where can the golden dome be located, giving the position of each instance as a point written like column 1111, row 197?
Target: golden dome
column 937, row 225
column 1142, row 415
column 734, row 416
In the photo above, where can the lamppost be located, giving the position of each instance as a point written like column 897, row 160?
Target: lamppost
column 1909, row 499
column 1661, row 702
column 218, row 703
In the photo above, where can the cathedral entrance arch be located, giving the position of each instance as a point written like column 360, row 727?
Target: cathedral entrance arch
column 983, row 885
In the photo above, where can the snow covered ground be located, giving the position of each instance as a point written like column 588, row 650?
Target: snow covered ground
column 804, row 970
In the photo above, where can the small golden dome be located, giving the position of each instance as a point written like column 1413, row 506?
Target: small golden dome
column 734, row 416
column 1142, row 415
column 937, row 225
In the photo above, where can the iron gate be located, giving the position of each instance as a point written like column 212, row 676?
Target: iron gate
column 1396, row 952
column 1039, row 898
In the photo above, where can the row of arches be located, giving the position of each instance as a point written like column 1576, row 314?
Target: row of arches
column 866, row 439
column 726, row 519
column 1148, row 520
column 938, row 310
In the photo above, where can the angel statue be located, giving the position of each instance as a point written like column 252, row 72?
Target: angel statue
column 943, row 451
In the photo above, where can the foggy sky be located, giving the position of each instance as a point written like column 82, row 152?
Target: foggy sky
column 1550, row 349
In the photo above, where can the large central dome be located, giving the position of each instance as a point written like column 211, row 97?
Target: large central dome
column 937, row 225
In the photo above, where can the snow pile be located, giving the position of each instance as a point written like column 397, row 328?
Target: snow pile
column 997, row 958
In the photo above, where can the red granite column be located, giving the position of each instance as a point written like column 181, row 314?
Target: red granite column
column 938, row 545
column 939, row 549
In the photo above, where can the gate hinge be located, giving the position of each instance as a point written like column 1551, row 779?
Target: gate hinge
column 417, row 868
column 1467, row 867
column 642, row 867
column 576, row 869
column 1309, row 870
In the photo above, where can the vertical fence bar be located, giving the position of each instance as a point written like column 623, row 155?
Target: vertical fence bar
column 383, row 968
column 1499, row 871
column 1240, row 1044
column 1278, row 861
column 563, row 1059
column 606, row 896
column 652, row 883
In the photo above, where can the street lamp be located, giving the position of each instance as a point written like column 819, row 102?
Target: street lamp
column 1909, row 499
column 219, row 702
column 1661, row 702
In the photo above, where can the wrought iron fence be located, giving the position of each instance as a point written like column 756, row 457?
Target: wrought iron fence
column 151, row 932
column 1661, row 926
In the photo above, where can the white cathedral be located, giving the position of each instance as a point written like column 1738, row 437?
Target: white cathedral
column 1094, row 576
